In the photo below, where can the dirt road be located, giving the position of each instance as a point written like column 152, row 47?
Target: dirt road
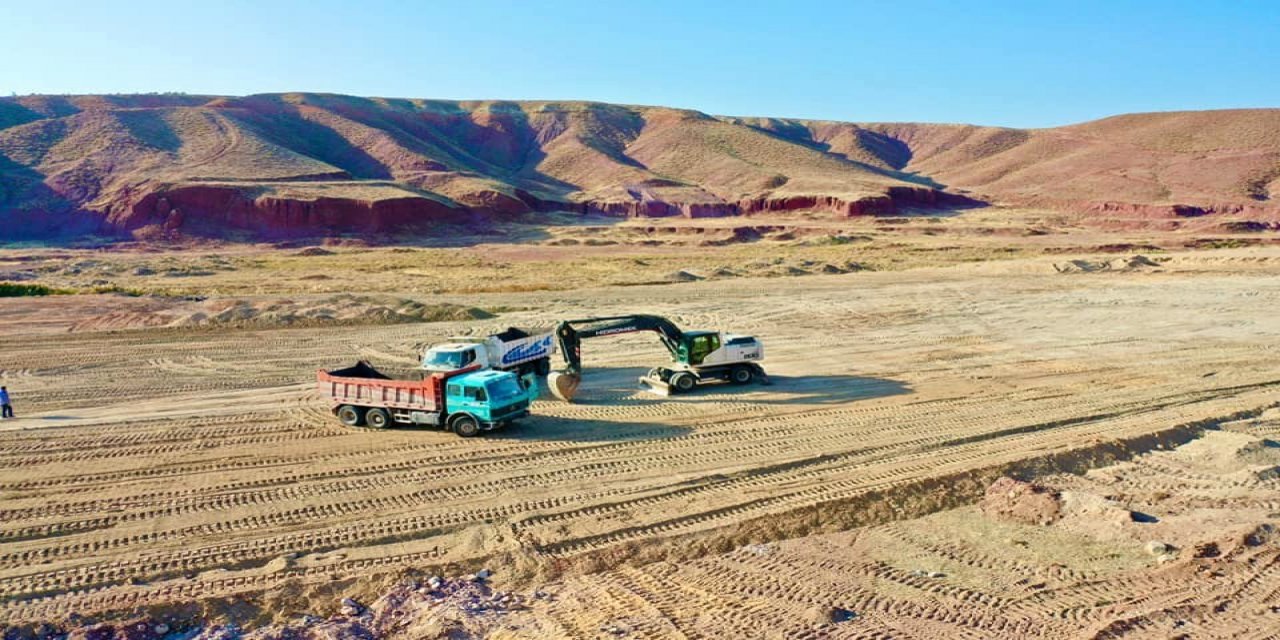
column 160, row 465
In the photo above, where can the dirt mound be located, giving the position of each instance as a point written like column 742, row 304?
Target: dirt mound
column 682, row 276
column 1017, row 501
column 1132, row 263
column 342, row 309
column 1263, row 451
column 1094, row 511
column 314, row 251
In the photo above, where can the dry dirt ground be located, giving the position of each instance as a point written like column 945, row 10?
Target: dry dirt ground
column 1180, row 543
column 158, row 466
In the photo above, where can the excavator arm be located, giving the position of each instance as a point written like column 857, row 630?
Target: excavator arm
column 571, row 333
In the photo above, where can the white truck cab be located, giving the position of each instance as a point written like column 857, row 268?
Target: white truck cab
column 451, row 356
column 512, row 350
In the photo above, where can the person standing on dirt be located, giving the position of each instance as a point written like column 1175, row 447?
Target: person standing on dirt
column 6, row 410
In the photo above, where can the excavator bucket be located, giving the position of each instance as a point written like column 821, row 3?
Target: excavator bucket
column 563, row 385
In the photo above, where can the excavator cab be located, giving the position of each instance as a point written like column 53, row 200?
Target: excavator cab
column 696, row 345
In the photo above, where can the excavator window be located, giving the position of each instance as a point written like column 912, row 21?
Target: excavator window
column 701, row 346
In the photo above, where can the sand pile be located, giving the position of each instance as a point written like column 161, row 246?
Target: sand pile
column 1092, row 512
column 314, row 251
column 683, row 275
column 1017, row 501
column 1132, row 263
column 775, row 268
column 341, row 309
column 345, row 309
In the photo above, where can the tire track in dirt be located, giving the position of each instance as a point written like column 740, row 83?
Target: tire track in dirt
column 246, row 469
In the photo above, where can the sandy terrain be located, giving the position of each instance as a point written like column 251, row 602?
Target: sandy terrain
column 159, row 466
column 1174, row 544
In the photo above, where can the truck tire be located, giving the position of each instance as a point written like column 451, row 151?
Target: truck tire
column 466, row 426
column 542, row 367
column 377, row 418
column 741, row 375
column 683, row 382
column 351, row 416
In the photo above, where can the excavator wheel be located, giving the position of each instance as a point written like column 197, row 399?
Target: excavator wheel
column 563, row 385
column 684, row 382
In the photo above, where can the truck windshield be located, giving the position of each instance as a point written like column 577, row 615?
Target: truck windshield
column 503, row 389
column 443, row 360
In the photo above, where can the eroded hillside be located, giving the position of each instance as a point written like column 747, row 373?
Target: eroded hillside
column 311, row 164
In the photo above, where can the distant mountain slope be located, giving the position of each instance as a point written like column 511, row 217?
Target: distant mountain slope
column 1209, row 160
column 291, row 164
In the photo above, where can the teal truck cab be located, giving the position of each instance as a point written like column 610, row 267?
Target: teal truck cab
column 466, row 401
column 491, row 397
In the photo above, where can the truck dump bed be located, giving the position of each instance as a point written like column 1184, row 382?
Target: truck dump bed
column 362, row 385
column 516, row 346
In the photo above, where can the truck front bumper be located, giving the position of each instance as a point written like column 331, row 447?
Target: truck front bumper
column 504, row 420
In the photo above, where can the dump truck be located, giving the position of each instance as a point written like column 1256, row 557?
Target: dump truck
column 466, row 401
column 697, row 356
column 519, row 350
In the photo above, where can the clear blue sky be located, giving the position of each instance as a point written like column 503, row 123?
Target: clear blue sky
column 988, row 62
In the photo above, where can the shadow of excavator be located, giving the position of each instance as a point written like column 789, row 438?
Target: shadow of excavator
column 620, row 385
column 619, row 388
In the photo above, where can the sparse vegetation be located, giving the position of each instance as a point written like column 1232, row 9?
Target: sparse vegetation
column 19, row 290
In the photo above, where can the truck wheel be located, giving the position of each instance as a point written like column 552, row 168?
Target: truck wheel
column 377, row 418
column 740, row 375
column 543, row 367
column 351, row 416
column 683, row 382
column 466, row 426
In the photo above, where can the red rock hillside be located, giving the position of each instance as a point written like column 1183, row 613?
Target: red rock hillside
column 308, row 164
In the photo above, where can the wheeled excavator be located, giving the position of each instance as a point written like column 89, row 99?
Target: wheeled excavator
column 697, row 356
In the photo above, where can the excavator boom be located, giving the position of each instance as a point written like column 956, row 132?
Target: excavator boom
column 570, row 334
